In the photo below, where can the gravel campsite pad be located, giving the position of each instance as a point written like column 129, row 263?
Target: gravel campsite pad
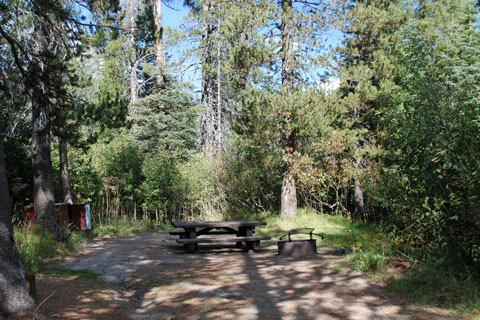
column 149, row 276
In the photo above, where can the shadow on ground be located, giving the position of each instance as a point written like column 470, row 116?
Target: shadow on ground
column 150, row 277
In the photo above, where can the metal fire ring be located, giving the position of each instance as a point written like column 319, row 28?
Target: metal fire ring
column 308, row 231
column 298, row 247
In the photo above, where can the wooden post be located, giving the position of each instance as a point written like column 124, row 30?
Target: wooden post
column 191, row 234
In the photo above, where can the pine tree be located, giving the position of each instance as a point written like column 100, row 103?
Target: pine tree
column 433, row 134
column 29, row 29
column 297, row 29
column 43, row 67
column 159, row 48
column 130, row 25
column 208, row 16
column 289, row 191
column 14, row 298
column 367, row 72
column 208, row 78
column 166, row 122
column 277, row 61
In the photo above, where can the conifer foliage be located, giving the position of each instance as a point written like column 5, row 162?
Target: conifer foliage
column 397, row 143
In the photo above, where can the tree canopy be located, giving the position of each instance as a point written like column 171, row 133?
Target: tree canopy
column 264, row 127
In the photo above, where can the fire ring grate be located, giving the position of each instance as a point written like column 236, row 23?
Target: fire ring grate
column 298, row 247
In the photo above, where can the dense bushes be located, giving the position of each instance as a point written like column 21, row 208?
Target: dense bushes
column 120, row 181
column 204, row 193
column 36, row 246
column 108, row 175
column 431, row 171
column 162, row 189
column 403, row 128
column 121, row 226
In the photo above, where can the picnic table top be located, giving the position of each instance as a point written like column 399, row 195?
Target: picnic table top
column 216, row 224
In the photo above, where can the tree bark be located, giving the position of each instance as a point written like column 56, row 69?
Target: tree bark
column 289, row 194
column 43, row 192
column 289, row 191
column 14, row 298
column 360, row 163
column 64, row 178
column 287, row 45
column 358, row 200
column 208, row 83
column 219, row 101
column 159, row 47
column 133, row 54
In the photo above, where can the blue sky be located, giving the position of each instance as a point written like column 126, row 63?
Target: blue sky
column 173, row 16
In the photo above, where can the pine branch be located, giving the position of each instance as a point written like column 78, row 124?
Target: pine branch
column 13, row 45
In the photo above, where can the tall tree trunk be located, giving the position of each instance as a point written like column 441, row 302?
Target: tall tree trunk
column 289, row 191
column 208, row 83
column 360, row 164
column 43, row 192
column 219, row 100
column 159, row 48
column 287, row 45
column 64, row 178
column 358, row 200
column 14, row 298
column 289, row 194
column 133, row 53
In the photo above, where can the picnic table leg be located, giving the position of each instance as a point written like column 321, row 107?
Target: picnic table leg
column 191, row 247
column 241, row 233
column 246, row 232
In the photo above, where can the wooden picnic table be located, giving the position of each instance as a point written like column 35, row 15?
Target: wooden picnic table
column 192, row 230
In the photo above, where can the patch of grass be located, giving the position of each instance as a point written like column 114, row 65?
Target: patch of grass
column 339, row 232
column 436, row 283
column 54, row 270
column 159, row 282
column 119, row 226
column 36, row 247
column 366, row 260
column 191, row 276
column 428, row 283
column 75, row 242
column 99, row 303
column 207, row 307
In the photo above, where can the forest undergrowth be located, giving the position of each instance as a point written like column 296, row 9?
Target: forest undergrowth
column 435, row 282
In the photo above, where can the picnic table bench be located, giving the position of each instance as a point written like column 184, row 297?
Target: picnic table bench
column 192, row 230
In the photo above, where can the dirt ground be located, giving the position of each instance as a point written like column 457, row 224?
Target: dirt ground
column 150, row 277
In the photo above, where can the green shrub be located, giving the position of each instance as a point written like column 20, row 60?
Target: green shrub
column 204, row 193
column 367, row 260
column 251, row 178
column 339, row 232
column 35, row 247
column 439, row 283
column 116, row 163
column 163, row 188
column 75, row 242
column 117, row 226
